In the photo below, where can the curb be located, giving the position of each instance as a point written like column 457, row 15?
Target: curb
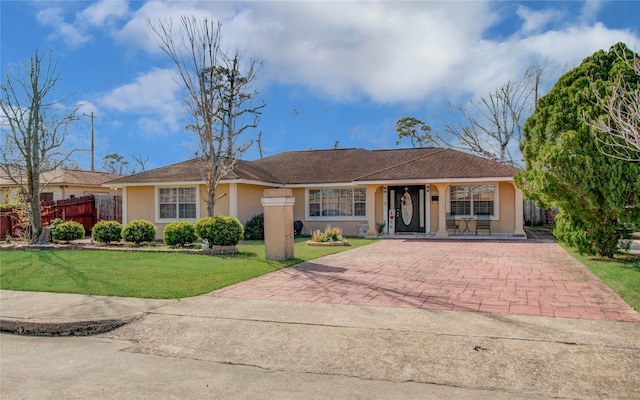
column 61, row 328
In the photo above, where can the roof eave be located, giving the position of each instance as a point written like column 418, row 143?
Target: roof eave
column 436, row 180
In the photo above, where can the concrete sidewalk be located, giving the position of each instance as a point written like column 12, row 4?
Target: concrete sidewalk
column 234, row 348
column 60, row 314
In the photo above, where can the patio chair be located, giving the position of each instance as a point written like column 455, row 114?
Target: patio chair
column 483, row 222
column 452, row 224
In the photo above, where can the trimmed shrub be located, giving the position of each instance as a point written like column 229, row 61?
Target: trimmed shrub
column 220, row 231
column 138, row 231
column 254, row 228
column 67, row 231
column 53, row 225
column 107, row 232
column 179, row 233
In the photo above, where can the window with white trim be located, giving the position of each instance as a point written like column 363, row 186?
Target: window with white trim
column 472, row 200
column 177, row 203
column 337, row 202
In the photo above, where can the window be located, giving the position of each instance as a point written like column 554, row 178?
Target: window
column 177, row 203
column 348, row 202
column 472, row 199
column 46, row 196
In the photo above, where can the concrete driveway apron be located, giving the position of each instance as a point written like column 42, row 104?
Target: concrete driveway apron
column 517, row 277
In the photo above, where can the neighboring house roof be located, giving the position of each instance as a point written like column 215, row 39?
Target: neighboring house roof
column 339, row 166
column 69, row 177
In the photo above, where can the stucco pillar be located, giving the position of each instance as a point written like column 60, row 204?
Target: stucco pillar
column 371, row 211
column 278, row 223
column 442, row 210
column 519, row 213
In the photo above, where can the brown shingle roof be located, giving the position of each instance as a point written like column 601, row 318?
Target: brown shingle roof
column 341, row 166
column 69, row 177
column 189, row 171
column 438, row 164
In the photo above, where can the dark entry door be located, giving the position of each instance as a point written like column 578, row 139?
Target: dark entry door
column 406, row 201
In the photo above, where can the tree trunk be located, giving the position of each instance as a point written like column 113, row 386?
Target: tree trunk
column 43, row 238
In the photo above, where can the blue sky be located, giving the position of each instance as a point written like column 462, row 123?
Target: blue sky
column 333, row 71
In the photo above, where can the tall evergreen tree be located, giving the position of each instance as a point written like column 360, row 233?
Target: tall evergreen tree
column 596, row 194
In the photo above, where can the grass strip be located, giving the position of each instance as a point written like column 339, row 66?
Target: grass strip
column 622, row 274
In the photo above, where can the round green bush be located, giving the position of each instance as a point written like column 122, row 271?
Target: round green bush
column 138, row 231
column 254, row 229
column 53, row 225
column 179, row 233
column 220, row 231
column 107, row 232
column 67, row 231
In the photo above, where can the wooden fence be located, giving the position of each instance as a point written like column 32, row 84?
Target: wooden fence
column 534, row 216
column 86, row 210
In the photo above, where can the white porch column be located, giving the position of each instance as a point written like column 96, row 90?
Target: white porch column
column 519, row 213
column 371, row 211
column 125, row 209
column 442, row 210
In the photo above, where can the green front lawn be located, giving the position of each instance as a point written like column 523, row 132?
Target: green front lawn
column 144, row 274
column 622, row 274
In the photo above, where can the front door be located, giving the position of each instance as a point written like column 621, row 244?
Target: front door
column 408, row 203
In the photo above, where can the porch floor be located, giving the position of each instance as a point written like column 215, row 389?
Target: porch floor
column 460, row 236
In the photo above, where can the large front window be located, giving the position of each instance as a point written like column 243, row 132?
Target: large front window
column 472, row 200
column 177, row 203
column 349, row 202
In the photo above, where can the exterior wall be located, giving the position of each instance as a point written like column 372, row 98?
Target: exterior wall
column 79, row 191
column 299, row 207
column 141, row 204
column 507, row 221
column 249, row 204
column 222, row 203
column 349, row 228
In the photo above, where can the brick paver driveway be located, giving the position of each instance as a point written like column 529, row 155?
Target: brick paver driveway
column 519, row 277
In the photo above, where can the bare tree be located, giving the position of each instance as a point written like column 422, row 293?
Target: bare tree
column 259, row 143
column 33, row 133
column 494, row 124
column 218, row 95
column 618, row 131
column 140, row 160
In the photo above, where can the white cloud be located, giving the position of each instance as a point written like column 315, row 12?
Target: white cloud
column 384, row 50
column 136, row 31
column 101, row 12
column 590, row 11
column 389, row 52
column 534, row 20
column 71, row 35
column 78, row 32
column 154, row 96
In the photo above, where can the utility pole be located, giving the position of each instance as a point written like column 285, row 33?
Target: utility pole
column 92, row 146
